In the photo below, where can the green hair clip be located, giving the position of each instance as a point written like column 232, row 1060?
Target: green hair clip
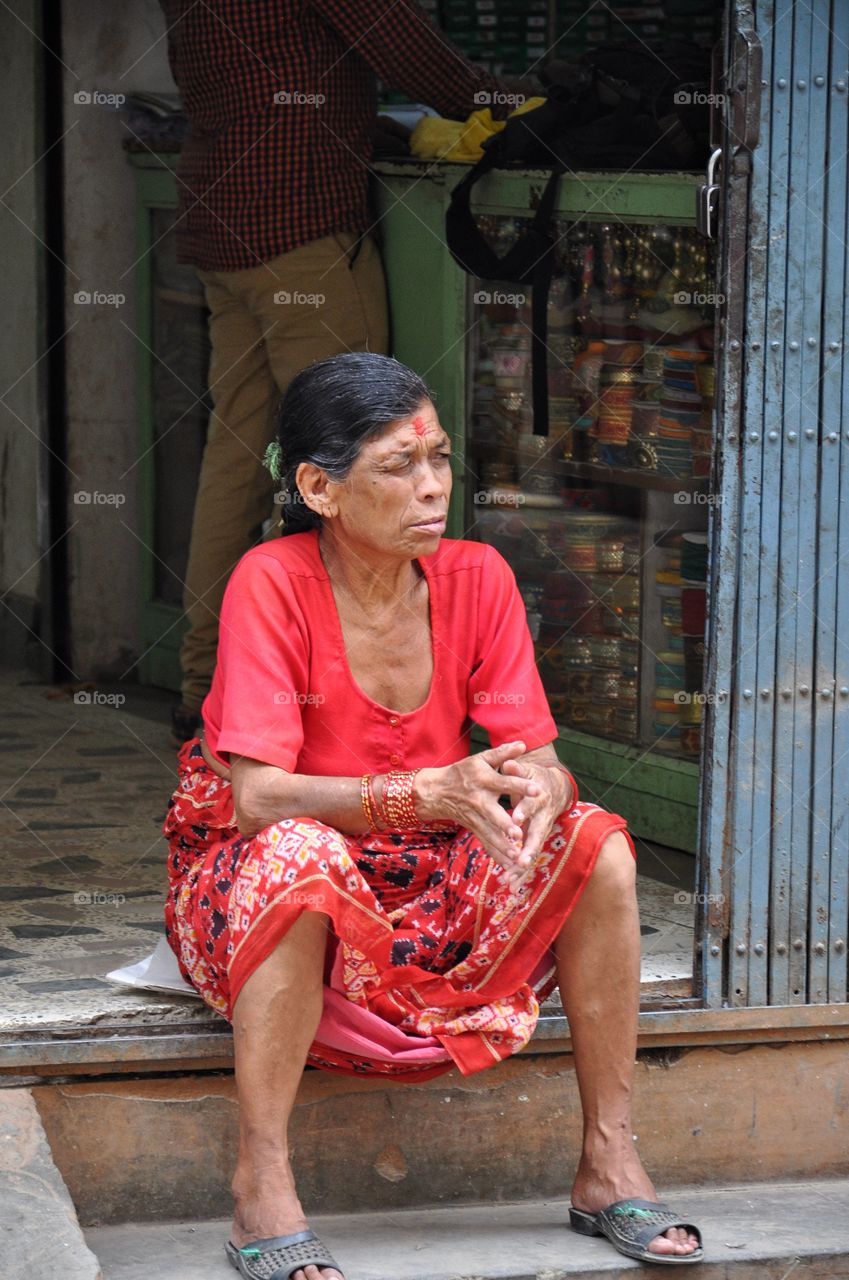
column 272, row 459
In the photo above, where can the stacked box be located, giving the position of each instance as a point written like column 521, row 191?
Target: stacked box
column 696, row 20
column 581, row 25
column 507, row 36
column 514, row 37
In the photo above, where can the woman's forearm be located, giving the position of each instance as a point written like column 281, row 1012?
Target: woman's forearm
column 264, row 794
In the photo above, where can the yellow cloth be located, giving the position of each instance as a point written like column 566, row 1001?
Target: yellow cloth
column 460, row 140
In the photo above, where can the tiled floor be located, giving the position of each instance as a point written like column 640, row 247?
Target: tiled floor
column 84, row 788
column 83, row 791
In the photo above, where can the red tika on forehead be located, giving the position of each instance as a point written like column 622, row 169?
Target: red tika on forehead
column 419, row 425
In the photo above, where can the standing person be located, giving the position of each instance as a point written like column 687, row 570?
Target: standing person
column 281, row 98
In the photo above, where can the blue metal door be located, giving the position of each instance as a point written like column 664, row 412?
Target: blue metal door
column 775, row 827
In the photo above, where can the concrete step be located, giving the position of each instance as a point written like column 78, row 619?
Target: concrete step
column 707, row 1115
column 759, row 1231
column 39, row 1233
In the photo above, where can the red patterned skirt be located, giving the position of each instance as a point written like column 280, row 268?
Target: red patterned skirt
column 432, row 960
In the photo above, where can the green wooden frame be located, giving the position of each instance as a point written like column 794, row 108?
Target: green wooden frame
column 162, row 625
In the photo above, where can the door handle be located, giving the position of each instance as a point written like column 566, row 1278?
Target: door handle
column 707, row 198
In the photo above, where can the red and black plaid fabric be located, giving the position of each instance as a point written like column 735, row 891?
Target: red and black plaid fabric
column 281, row 101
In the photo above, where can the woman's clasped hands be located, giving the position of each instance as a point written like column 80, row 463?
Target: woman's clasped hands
column 468, row 793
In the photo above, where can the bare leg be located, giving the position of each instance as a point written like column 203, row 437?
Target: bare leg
column 274, row 1021
column 598, row 968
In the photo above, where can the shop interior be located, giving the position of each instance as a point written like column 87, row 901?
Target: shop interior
column 604, row 519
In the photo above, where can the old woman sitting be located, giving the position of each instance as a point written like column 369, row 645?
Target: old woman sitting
column 345, row 885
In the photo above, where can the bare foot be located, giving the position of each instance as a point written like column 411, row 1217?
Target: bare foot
column 318, row 1273
column 267, row 1205
column 610, row 1171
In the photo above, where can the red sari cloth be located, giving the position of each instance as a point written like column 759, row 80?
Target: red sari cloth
column 432, row 961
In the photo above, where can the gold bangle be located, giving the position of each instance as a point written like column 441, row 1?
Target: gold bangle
column 365, row 800
column 380, row 822
column 398, row 803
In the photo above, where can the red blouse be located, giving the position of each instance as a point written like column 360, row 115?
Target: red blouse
column 283, row 692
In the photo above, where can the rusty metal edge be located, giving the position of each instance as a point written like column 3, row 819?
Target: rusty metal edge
column 118, row 1054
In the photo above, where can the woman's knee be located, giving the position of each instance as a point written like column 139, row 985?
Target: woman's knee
column 615, row 864
column 307, row 841
column 294, row 832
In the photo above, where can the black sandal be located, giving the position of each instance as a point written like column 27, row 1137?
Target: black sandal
column 630, row 1225
column 279, row 1257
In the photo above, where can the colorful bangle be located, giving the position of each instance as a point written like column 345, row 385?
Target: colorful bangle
column 379, row 816
column 398, row 805
column 366, row 801
column 574, row 797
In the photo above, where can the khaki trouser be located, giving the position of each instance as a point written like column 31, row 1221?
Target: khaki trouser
column 266, row 324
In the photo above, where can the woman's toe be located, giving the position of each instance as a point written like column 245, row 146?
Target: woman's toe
column 675, row 1240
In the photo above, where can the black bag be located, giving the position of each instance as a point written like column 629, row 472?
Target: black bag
column 624, row 106
column 629, row 106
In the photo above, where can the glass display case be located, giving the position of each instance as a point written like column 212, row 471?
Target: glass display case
column 604, row 519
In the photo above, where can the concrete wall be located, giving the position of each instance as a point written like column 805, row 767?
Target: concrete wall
column 22, row 457
column 111, row 49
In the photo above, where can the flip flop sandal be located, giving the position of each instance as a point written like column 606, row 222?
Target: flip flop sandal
column 630, row 1225
column 279, row 1257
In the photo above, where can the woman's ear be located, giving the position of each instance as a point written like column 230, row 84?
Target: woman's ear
column 315, row 488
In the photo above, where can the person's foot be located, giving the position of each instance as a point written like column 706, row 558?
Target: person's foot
column 186, row 723
column 267, row 1205
column 611, row 1171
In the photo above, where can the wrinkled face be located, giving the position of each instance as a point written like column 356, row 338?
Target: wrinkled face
column 395, row 499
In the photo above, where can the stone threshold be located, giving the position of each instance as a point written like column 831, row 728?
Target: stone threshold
column 752, row 1231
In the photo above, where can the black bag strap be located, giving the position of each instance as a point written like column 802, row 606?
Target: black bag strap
column 529, row 261
column 471, row 251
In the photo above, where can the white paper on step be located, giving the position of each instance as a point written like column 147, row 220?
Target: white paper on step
column 157, row 972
